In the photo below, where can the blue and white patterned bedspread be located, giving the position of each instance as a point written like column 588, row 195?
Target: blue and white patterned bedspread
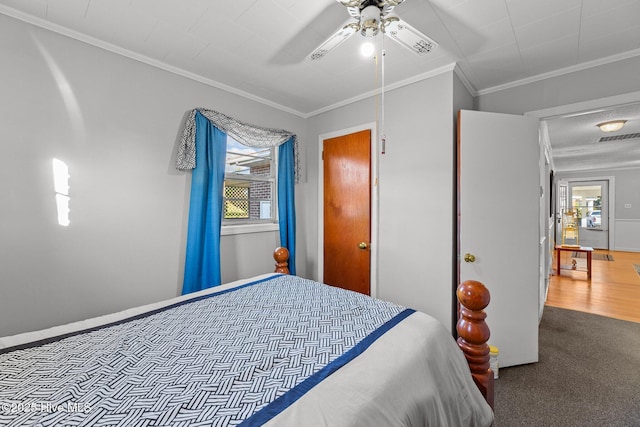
column 214, row 360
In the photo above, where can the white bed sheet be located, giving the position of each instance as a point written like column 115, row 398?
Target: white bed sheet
column 414, row 375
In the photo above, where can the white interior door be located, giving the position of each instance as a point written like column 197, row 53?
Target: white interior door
column 499, row 192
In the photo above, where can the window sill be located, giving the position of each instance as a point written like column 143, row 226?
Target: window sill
column 248, row 228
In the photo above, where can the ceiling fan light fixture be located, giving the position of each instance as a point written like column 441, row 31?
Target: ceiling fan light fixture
column 367, row 49
column 611, row 126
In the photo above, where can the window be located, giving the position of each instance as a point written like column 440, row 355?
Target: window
column 249, row 185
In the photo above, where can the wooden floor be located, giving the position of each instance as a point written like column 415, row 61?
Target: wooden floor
column 613, row 291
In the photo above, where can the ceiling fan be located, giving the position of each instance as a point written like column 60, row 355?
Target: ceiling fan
column 372, row 17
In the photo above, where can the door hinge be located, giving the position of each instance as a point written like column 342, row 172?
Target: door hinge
column 322, row 154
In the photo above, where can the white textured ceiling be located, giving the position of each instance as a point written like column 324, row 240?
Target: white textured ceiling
column 259, row 47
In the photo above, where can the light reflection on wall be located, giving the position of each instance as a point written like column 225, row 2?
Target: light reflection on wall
column 66, row 92
column 61, row 186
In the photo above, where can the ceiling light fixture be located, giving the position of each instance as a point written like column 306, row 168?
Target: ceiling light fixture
column 611, row 126
column 367, row 49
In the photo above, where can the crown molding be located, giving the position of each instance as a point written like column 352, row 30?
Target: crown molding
column 585, row 107
column 396, row 85
column 465, row 81
column 43, row 23
column 47, row 25
column 562, row 71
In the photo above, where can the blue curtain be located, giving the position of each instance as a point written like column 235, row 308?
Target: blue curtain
column 286, row 201
column 202, row 262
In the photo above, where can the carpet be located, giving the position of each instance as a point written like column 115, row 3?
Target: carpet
column 587, row 375
column 599, row 257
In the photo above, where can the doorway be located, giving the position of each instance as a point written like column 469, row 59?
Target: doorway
column 347, row 196
column 590, row 200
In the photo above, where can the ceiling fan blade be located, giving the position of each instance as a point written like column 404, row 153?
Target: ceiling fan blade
column 350, row 3
column 409, row 37
column 386, row 6
column 353, row 6
column 335, row 40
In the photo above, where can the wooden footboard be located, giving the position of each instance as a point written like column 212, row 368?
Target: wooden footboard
column 473, row 332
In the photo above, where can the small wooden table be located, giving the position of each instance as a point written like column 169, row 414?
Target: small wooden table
column 588, row 250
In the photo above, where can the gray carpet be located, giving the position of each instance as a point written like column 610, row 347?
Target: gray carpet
column 588, row 374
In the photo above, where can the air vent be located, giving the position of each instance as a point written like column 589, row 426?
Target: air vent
column 619, row 137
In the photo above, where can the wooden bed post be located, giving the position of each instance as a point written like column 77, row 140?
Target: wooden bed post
column 281, row 255
column 473, row 334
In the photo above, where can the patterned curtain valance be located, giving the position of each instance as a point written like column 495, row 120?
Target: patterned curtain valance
column 244, row 133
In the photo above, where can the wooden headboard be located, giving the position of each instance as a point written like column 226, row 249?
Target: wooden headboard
column 473, row 331
column 281, row 255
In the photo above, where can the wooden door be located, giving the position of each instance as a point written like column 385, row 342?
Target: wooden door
column 498, row 211
column 347, row 211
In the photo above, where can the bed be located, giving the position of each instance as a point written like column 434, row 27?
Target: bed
column 275, row 350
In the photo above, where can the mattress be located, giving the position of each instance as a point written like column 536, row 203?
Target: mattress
column 272, row 350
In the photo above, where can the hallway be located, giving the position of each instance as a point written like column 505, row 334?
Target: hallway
column 613, row 291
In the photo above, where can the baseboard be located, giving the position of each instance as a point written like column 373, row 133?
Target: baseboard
column 627, row 249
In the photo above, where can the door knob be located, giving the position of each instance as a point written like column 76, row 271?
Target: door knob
column 469, row 257
column 362, row 245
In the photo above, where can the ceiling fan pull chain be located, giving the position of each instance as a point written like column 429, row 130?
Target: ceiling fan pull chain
column 383, row 137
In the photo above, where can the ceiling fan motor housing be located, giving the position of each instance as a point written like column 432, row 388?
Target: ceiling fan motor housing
column 370, row 21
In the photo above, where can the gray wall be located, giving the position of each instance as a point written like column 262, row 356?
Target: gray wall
column 415, row 191
column 625, row 222
column 627, row 189
column 116, row 123
column 617, row 78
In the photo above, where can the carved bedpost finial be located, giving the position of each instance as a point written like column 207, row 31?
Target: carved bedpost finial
column 473, row 334
column 281, row 255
